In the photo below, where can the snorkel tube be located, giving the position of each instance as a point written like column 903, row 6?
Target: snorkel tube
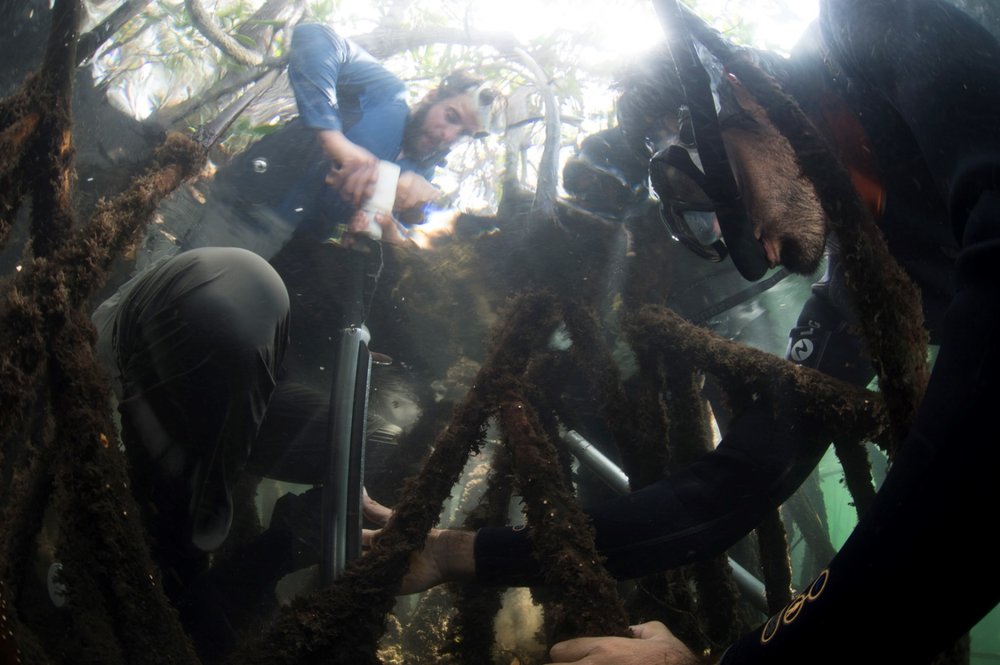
column 737, row 231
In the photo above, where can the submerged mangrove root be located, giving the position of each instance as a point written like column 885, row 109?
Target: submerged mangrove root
column 718, row 602
column 112, row 580
column 670, row 598
column 639, row 426
column 775, row 562
column 815, row 532
column 47, row 355
column 38, row 298
column 656, row 433
column 689, row 430
column 471, row 631
column 857, row 474
column 343, row 624
column 36, row 138
column 849, row 413
column 653, row 431
column 689, row 436
column 562, row 538
column 47, row 366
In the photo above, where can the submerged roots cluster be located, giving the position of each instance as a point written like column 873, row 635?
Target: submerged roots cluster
column 60, row 453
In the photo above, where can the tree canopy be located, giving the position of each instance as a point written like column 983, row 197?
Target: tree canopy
column 178, row 64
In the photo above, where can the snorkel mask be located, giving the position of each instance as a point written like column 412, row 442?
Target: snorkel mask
column 489, row 107
column 692, row 176
column 489, row 110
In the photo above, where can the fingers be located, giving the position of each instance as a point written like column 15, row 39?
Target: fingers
column 374, row 511
column 358, row 222
column 649, row 630
column 355, row 177
column 354, row 181
column 360, row 184
column 390, row 231
column 413, row 190
column 573, row 650
column 652, row 643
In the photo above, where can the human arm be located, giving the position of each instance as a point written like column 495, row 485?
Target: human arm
column 413, row 191
column 446, row 556
column 354, row 170
column 697, row 512
column 357, row 128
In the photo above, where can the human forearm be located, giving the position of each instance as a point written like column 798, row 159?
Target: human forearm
column 453, row 548
column 698, row 512
column 340, row 149
column 446, row 557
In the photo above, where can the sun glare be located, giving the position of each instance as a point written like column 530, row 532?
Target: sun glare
column 622, row 29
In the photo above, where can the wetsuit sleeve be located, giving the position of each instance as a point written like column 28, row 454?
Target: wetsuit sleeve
column 699, row 511
column 705, row 508
column 315, row 61
column 916, row 572
column 824, row 337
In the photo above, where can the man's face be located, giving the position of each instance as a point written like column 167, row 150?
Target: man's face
column 787, row 218
column 445, row 123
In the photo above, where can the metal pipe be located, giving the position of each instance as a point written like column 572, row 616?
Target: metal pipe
column 341, row 510
column 596, row 461
column 752, row 588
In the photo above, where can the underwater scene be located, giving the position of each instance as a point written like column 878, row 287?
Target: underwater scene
column 447, row 331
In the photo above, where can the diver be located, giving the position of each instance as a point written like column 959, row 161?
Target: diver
column 907, row 94
column 198, row 344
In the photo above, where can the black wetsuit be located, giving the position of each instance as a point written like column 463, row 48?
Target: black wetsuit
column 924, row 80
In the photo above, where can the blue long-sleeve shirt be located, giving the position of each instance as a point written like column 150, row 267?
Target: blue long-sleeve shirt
column 339, row 86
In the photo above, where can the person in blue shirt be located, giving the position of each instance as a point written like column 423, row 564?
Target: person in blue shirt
column 359, row 113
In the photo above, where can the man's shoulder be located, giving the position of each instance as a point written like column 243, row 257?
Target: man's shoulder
column 322, row 35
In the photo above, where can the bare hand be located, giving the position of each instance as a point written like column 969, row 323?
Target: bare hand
column 358, row 225
column 447, row 555
column 355, row 170
column 651, row 644
column 412, row 191
column 373, row 510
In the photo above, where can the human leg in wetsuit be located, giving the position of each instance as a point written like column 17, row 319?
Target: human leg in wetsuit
column 197, row 343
